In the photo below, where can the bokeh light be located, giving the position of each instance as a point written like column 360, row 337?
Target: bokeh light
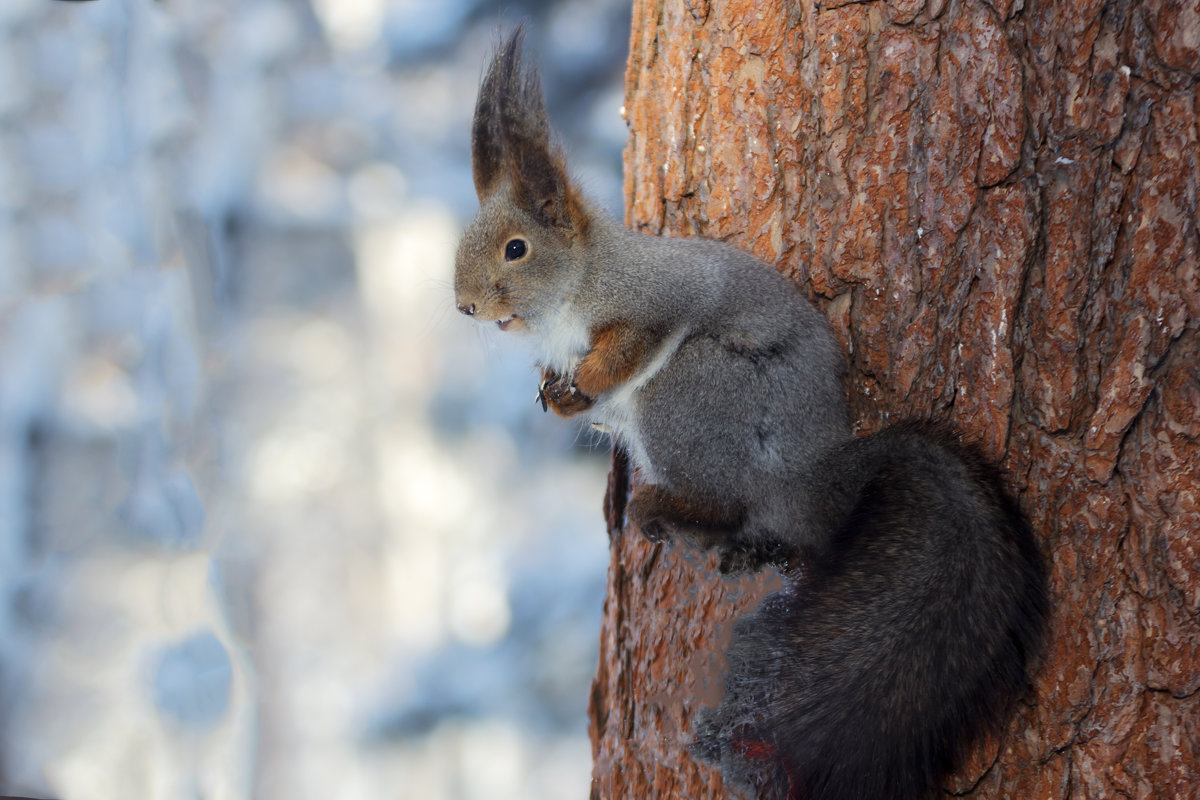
column 275, row 522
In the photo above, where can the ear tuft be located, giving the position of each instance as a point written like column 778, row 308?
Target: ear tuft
column 535, row 165
column 487, row 145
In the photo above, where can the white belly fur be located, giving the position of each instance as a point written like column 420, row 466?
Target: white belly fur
column 617, row 410
column 563, row 340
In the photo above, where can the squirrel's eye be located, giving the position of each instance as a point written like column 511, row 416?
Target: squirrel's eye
column 516, row 248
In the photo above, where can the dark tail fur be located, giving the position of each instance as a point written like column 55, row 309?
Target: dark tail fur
column 869, row 677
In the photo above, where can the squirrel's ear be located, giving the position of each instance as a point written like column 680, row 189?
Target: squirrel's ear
column 535, row 166
column 487, row 147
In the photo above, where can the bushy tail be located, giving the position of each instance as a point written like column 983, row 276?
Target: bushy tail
column 868, row 677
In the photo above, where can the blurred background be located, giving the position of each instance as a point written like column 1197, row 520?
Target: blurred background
column 275, row 522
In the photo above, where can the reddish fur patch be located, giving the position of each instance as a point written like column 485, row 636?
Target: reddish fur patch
column 617, row 352
column 753, row 750
column 577, row 214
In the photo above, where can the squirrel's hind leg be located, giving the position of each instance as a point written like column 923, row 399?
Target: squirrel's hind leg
column 659, row 513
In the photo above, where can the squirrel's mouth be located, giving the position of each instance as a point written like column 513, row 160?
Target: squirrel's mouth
column 504, row 324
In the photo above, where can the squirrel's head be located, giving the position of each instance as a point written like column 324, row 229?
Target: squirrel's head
column 519, row 258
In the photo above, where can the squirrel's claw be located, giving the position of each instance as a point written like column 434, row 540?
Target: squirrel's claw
column 561, row 394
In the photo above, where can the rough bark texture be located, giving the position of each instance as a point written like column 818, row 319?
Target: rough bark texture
column 996, row 205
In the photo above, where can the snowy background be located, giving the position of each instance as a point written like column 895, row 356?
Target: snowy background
column 275, row 522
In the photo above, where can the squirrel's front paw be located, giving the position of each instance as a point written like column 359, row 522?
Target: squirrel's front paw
column 560, row 393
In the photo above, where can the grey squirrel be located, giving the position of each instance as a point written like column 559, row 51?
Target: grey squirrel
column 914, row 598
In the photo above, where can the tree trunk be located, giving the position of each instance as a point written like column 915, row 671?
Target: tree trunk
column 995, row 203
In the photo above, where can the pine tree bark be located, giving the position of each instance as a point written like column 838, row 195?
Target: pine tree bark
column 995, row 203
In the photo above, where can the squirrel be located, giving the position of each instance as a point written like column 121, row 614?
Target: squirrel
column 914, row 603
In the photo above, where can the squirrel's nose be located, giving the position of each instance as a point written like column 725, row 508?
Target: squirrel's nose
column 469, row 310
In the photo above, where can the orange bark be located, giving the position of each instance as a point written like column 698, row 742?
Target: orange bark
column 995, row 203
